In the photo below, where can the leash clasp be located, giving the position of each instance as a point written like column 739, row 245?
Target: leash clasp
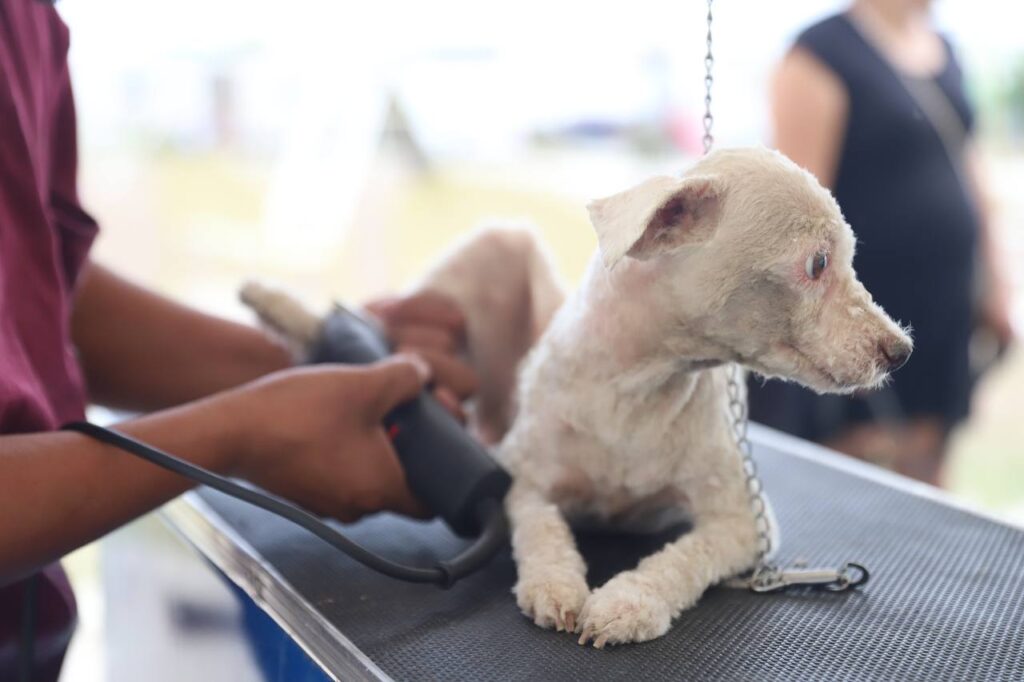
column 774, row 579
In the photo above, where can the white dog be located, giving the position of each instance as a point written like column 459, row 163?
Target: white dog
column 619, row 412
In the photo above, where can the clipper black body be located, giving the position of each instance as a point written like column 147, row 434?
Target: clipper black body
column 446, row 468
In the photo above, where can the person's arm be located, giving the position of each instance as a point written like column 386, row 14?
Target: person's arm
column 997, row 305
column 809, row 110
column 141, row 351
column 312, row 435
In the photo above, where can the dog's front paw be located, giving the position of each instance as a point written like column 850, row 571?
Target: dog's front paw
column 552, row 598
column 624, row 610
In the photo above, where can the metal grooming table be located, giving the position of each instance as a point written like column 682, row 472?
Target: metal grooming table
column 945, row 601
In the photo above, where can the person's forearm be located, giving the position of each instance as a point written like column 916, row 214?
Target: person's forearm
column 59, row 491
column 141, row 351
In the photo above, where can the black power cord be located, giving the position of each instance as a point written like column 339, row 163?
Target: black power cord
column 490, row 516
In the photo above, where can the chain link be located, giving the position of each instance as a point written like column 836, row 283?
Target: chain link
column 709, row 79
column 764, row 577
column 755, row 488
column 737, row 410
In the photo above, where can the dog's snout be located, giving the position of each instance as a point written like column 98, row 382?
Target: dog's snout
column 895, row 353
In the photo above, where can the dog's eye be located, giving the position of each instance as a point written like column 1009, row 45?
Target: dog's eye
column 816, row 264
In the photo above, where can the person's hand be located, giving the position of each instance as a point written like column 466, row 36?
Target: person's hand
column 314, row 435
column 431, row 326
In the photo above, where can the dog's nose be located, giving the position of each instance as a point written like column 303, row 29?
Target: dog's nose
column 896, row 353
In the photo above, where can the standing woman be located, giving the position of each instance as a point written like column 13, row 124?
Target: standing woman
column 872, row 102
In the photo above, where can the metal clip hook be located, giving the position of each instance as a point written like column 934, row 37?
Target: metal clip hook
column 774, row 579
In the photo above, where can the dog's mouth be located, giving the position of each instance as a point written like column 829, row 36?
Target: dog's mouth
column 834, row 382
column 820, row 379
column 815, row 367
column 806, row 370
column 790, row 362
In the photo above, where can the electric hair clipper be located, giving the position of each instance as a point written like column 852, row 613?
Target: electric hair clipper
column 446, row 468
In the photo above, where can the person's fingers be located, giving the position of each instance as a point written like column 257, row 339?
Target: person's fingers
column 450, row 372
column 425, row 337
column 394, row 381
column 408, row 505
column 427, row 308
column 380, row 304
column 450, row 402
column 396, row 495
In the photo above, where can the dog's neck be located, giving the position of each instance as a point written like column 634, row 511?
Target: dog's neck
column 636, row 336
column 606, row 338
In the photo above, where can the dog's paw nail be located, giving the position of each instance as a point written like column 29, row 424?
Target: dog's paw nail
column 553, row 601
column 621, row 612
column 585, row 637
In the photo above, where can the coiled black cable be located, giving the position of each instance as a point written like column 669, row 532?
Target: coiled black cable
column 445, row 573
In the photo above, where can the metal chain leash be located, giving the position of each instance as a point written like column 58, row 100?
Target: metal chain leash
column 709, row 80
column 737, row 398
column 755, row 489
column 765, row 576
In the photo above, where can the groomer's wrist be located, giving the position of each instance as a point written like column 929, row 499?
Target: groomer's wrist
column 240, row 430
column 233, row 431
column 208, row 432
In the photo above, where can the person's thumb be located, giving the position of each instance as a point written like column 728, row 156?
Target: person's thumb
column 395, row 381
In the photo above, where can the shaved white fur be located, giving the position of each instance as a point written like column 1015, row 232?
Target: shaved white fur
column 619, row 411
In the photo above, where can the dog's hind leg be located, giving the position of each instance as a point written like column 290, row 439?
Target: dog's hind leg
column 506, row 287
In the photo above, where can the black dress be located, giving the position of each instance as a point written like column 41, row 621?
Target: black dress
column 916, row 228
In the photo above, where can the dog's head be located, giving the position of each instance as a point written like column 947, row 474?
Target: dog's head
column 747, row 258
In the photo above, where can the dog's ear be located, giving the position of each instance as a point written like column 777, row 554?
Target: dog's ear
column 657, row 216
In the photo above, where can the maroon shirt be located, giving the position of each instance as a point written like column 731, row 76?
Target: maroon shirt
column 44, row 238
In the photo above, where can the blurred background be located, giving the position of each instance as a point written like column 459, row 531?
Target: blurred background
column 338, row 147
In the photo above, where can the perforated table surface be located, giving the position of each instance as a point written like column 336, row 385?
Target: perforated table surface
column 945, row 601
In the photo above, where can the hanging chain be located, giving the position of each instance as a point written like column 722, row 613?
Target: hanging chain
column 739, row 421
column 765, row 577
column 737, row 396
column 709, row 80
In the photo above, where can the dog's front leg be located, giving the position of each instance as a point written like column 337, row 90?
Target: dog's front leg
column 639, row 605
column 552, row 584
